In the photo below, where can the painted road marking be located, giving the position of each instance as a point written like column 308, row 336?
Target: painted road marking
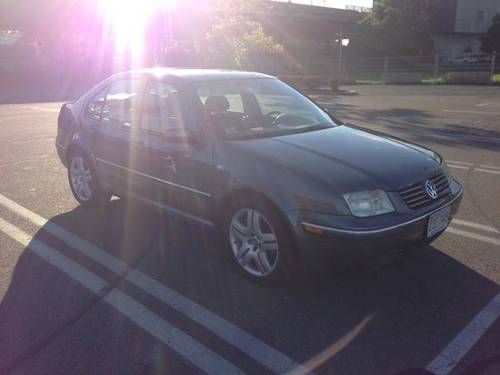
column 194, row 352
column 478, row 237
column 486, row 228
column 466, row 166
column 489, row 166
column 233, row 335
column 483, row 104
column 42, row 109
column 486, row 171
column 471, row 112
column 459, row 162
column 446, row 361
column 458, row 166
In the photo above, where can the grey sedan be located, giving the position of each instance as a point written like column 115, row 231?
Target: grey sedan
column 281, row 179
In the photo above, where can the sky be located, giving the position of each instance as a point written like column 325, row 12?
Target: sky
column 335, row 3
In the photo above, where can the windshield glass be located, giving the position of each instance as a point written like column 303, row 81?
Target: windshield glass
column 258, row 108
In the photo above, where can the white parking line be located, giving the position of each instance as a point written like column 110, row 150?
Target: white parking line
column 489, row 166
column 42, row 109
column 486, row 171
column 194, row 352
column 467, row 166
column 471, row 112
column 235, row 336
column 459, row 162
column 446, row 361
column 458, row 166
column 474, row 236
column 465, row 223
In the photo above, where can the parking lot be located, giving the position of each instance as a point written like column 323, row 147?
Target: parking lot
column 129, row 290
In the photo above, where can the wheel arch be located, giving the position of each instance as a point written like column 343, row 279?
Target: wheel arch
column 232, row 195
column 77, row 145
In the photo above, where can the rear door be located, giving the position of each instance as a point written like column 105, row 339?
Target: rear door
column 114, row 135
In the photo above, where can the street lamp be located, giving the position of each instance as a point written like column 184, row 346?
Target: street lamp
column 343, row 42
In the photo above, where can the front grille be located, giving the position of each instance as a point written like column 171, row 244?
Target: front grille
column 415, row 196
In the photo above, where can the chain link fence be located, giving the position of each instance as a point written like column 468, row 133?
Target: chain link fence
column 470, row 69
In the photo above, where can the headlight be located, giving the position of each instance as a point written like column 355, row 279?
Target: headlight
column 447, row 173
column 369, row 203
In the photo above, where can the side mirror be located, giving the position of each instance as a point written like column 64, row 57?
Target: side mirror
column 334, row 119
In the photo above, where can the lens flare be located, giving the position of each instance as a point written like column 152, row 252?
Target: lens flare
column 128, row 20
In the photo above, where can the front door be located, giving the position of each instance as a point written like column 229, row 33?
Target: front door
column 174, row 172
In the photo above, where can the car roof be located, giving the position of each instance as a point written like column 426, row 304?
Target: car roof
column 194, row 75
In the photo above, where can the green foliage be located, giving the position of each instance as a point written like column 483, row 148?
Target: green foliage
column 397, row 27
column 491, row 41
column 236, row 39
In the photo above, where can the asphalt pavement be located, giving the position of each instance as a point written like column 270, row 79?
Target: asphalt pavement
column 129, row 290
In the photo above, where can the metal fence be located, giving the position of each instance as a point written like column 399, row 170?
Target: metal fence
column 404, row 68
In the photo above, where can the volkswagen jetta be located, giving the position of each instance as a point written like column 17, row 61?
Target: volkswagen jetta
column 280, row 177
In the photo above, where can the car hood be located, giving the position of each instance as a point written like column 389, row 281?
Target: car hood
column 344, row 158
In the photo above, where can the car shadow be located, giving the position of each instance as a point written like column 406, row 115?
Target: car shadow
column 395, row 315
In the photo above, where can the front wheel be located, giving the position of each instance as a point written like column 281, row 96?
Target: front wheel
column 259, row 241
column 83, row 181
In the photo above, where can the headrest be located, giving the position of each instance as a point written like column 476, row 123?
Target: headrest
column 216, row 104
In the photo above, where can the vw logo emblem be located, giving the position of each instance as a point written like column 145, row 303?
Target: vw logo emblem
column 430, row 189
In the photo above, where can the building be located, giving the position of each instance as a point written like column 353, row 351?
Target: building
column 462, row 23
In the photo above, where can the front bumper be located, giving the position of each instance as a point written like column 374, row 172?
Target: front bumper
column 332, row 239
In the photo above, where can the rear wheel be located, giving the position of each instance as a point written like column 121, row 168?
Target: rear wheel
column 83, row 181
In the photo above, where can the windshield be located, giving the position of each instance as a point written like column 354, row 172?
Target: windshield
column 258, row 108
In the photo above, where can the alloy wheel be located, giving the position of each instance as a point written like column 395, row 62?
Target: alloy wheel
column 254, row 242
column 81, row 178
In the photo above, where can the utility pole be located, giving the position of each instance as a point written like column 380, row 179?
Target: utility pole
column 436, row 66
column 340, row 53
column 493, row 63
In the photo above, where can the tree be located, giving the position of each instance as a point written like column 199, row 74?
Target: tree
column 491, row 41
column 236, row 38
column 397, row 27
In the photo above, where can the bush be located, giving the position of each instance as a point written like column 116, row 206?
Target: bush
column 295, row 81
column 334, row 85
column 311, row 82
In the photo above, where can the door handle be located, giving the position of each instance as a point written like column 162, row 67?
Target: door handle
column 169, row 163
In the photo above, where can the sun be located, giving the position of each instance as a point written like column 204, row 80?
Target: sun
column 128, row 19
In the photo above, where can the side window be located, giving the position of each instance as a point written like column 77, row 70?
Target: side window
column 122, row 102
column 161, row 109
column 235, row 103
column 96, row 105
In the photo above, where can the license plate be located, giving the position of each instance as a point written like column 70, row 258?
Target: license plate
column 438, row 221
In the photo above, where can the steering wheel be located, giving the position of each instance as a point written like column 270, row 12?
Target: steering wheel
column 290, row 119
column 279, row 117
column 273, row 114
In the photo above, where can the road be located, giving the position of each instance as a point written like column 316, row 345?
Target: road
column 127, row 290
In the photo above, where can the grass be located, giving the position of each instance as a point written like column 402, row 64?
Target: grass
column 368, row 82
column 429, row 80
column 440, row 80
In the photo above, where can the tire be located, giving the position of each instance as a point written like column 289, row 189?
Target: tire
column 263, row 251
column 83, row 181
